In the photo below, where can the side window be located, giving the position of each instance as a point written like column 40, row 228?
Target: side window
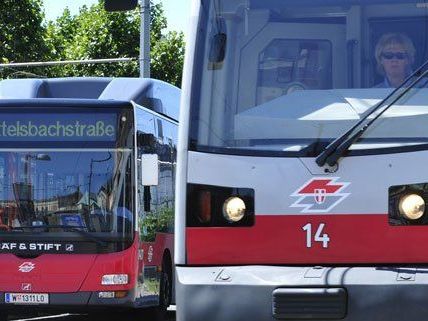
column 146, row 144
column 168, row 175
column 388, row 37
column 165, row 189
column 156, row 203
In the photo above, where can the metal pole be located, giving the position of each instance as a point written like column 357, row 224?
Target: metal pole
column 145, row 39
column 64, row 62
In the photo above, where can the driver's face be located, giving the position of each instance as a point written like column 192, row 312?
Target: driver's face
column 395, row 61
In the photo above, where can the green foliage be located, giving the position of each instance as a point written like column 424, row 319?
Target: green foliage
column 91, row 34
column 22, row 33
column 95, row 33
column 157, row 222
column 168, row 58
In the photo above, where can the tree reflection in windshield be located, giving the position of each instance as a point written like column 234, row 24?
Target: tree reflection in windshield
column 89, row 189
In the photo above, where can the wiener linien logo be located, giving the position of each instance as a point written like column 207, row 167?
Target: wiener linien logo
column 26, row 267
column 320, row 195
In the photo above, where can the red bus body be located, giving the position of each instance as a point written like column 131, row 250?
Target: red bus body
column 100, row 236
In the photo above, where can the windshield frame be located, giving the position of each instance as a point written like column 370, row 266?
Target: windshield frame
column 125, row 140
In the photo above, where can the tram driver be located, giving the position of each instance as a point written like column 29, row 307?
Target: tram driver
column 395, row 55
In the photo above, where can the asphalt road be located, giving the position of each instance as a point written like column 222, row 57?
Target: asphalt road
column 67, row 317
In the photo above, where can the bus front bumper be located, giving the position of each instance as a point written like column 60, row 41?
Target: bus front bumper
column 72, row 302
column 266, row 293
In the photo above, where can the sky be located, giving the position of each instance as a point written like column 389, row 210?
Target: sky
column 176, row 11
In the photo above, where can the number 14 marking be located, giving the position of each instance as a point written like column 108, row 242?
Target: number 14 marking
column 310, row 238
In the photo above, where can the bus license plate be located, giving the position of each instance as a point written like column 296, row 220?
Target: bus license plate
column 26, row 298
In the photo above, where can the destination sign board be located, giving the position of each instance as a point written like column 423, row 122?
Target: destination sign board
column 58, row 127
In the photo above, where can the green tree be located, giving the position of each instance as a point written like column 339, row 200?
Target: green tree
column 95, row 33
column 168, row 58
column 60, row 33
column 22, row 33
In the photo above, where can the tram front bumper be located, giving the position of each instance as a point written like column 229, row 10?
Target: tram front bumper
column 266, row 293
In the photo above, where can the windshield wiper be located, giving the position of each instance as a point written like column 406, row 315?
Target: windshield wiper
column 78, row 229
column 81, row 230
column 339, row 146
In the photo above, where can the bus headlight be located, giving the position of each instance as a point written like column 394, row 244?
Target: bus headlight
column 114, row 279
column 412, row 206
column 234, row 209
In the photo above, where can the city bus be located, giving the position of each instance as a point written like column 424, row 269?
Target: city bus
column 301, row 185
column 87, row 168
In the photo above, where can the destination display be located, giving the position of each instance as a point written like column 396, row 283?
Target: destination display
column 58, row 127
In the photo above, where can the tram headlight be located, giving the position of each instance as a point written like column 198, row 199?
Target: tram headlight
column 412, row 206
column 234, row 209
column 219, row 206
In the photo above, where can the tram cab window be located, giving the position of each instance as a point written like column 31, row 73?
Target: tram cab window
column 291, row 52
column 288, row 65
column 410, row 28
column 333, row 55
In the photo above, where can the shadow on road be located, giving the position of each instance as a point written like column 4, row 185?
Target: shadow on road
column 82, row 317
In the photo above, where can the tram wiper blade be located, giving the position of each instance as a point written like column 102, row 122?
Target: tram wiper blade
column 339, row 146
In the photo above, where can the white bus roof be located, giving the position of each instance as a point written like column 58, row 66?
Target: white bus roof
column 150, row 93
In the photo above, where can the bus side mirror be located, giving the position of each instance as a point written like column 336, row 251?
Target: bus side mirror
column 149, row 169
column 120, row 5
column 147, row 142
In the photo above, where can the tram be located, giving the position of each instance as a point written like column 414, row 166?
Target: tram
column 303, row 142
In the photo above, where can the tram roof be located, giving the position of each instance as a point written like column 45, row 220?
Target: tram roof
column 266, row 3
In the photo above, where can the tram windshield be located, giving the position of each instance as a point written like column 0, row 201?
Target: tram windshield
column 290, row 76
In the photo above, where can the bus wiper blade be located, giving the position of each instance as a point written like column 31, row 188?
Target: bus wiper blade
column 81, row 230
column 338, row 147
column 46, row 227
column 78, row 229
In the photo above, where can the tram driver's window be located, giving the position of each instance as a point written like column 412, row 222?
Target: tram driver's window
column 404, row 32
column 288, row 65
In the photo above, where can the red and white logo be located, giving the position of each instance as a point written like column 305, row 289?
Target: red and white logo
column 320, row 195
column 26, row 267
column 26, row 287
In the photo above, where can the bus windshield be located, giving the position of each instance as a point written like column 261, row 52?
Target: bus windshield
column 80, row 181
column 290, row 76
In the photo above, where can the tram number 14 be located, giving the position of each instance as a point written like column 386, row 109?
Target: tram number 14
column 319, row 236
